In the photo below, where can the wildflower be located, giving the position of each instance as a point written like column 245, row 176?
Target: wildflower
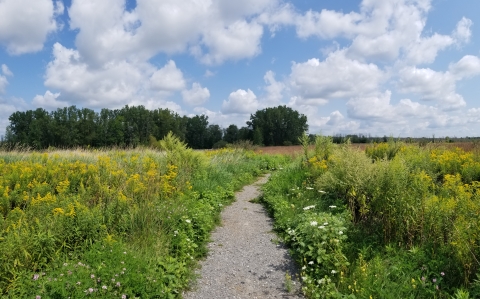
column 65, row 264
column 79, row 283
column 332, row 207
column 104, row 287
column 304, row 267
column 38, row 297
column 423, row 278
column 313, row 223
column 321, row 281
column 117, row 284
column 124, row 296
column 434, row 280
column 92, row 276
column 308, row 208
column 122, row 262
column 442, row 273
column 340, row 232
column 321, row 227
column 309, row 188
column 124, row 252
column 90, row 290
column 321, row 191
column 188, row 221
column 334, row 272
column 310, row 262
column 326, row 223
column 36, row 276
column 113, row 279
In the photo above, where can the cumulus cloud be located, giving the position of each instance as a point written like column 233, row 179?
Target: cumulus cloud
column 112, row 85
column 25, row 25
column 196, row 95
column 336, row 77
column 48, row 101
column 468, row 66
column 274, row 89
column 168, row 78
column 240, row 102
column 431, row 86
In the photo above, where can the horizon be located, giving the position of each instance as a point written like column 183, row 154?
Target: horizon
column 388, row 68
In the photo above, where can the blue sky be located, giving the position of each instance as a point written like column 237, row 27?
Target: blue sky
column 379, row 67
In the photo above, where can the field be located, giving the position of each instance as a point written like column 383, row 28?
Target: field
column 390, row 221
column 387, row 220
column 113, row 224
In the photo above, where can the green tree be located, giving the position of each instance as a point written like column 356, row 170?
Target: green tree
column 278, row 125
column 231, row 134
column 197, row 132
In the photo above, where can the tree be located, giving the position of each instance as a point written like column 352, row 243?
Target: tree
column 197, row 131
column 231, row 134
column 278, row 125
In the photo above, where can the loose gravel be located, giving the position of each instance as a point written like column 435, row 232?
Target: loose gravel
column 244, row 260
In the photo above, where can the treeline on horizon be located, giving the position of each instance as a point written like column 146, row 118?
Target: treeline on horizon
column 132, row 126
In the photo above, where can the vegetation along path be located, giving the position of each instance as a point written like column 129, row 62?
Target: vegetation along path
column 243, row 262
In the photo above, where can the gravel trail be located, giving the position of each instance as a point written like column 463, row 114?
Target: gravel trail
column 243, row 262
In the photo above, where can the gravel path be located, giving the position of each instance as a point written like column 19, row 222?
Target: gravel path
column 243, row 262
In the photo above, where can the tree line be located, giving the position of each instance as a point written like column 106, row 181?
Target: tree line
column 132, row 126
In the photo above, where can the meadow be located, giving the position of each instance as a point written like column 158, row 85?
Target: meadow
column 113, row 223
column 390, row 221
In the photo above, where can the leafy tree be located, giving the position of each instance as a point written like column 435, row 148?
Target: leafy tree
column 231, row 134
column 196, row 134
column 278, row 125
column 214, row 134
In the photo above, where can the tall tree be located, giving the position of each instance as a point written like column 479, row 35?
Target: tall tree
column 279, row 125
column 231, row 134
column 197, row 131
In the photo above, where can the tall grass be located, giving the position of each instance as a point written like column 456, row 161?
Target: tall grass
column 113, row 223
column 411, row 215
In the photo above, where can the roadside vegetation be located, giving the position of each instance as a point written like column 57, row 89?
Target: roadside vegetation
column 393, row 221
column 116, row 223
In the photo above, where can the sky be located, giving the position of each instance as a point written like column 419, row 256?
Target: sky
column 402, row 68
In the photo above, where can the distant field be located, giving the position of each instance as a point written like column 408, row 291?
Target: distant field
column 297, row 149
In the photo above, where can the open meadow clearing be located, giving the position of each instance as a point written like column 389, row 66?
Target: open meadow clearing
column 113, row 224
column 392, row 221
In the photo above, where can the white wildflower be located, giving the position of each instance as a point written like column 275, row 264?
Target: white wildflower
column 332, row 207
column 340, row 232
column 334, row 272
column 321, row 191
column 313, row 223
column 188, row 221
column 309, row 188
column 308, row 208
column 326, row 223
column 310, row 262
column 321, row 227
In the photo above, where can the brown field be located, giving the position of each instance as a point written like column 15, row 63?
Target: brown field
column 294, row 150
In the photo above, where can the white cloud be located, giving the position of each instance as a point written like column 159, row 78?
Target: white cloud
column 336, row 77
column 168, row 78
column 237, row 41
column 463, row 33
column 25, row 25
column 240, row 102
column 467, row 67
column 6, row 71
column 274, row 89
column 48, row 101
column 196, row 95
column 431, row 86
column 112, row 85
